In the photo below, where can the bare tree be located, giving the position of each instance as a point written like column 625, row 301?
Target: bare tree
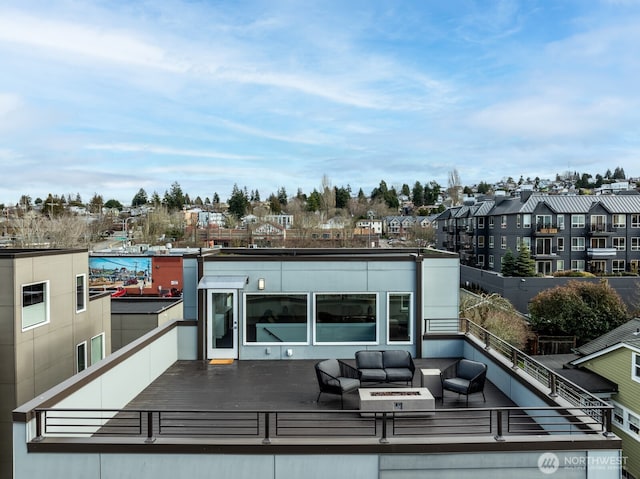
column 454, row 189
column 66, row 231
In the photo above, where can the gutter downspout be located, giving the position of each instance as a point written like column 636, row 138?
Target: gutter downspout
column 202, row 296
column 417, row 326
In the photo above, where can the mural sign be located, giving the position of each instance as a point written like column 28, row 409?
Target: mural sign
column 116, row 272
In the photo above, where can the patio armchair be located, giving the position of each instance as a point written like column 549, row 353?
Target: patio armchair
column 464, row 377
column 336, row 377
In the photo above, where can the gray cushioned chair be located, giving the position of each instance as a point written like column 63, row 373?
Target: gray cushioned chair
column 464, row 377
column 336, row 377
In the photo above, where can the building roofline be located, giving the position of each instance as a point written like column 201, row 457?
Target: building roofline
column 604, row 351
column 15, row 253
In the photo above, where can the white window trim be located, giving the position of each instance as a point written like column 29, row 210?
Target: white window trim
column 84, row 292
column 625, row 420
column 86, row 364
column 411, row 316
column 274, row 343
column 364, row 343
column 634, row 359
column 102, row 342
column 47, row 305
column 581, row 224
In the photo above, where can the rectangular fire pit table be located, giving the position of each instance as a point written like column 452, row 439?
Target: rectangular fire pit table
column 395, row 400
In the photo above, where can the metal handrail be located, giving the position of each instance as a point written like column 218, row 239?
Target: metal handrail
column 265, row 425
column 558, row 385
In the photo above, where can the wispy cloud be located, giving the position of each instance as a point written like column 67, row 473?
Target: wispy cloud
column 167, row 151
column 279, row 93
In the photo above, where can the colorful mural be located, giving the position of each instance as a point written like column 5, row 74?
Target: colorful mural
column 113, row 272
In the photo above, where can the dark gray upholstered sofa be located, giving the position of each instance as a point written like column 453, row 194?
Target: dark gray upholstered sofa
column 385, row 366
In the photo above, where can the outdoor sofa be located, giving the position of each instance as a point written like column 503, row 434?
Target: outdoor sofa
column 385, row 366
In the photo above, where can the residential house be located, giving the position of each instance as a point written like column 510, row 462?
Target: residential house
column 616, row 356
column 598, row 234
column 51, row 327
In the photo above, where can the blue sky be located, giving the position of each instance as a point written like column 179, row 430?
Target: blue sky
column 112, row 96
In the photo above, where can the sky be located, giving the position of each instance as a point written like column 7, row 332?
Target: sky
column 107, row 97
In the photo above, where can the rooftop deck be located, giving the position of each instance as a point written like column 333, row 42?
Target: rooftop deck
column 270, row 407
column 272, row 385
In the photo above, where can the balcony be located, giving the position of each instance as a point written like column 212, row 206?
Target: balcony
column 544, row 253
column 152, row 403
column 546, row 230
column 601, row 252
column 600, row 230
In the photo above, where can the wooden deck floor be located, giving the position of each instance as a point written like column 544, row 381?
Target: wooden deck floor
column 270, row 385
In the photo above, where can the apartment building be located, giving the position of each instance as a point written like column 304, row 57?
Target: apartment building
column 597, row 234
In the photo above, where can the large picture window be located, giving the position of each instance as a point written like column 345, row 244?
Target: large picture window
column 276, row 318
column 35, row 304
column 400, row 312
column 346, row 318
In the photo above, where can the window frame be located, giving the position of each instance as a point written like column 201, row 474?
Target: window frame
column 560, row 243
column 619, row 220
column 314, row 316
column 503, row 242
column 83, row 344
column 81, row 293
column 409, row 306
column 635, row 220
column 503, row 221
column 636, row 240
column 577, row 265
column 578, row 243
column 46, row 307
column 544, row 221
column 100, row 336
column 619, row 243
column 491, row 241
column 578, row 220
column 635, row 366
column 618, row 266
column 526, row 220
column 245, row 310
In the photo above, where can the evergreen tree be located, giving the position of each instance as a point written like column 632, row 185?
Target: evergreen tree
column 618, row 173
column 525, row 264
column 343, row 195
column 274, row 204
column 417, row 194
column 140, row 198
column 238, row 202
column 508, row 264
column 314, row 201
column 174, row 198
column 282, row 197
